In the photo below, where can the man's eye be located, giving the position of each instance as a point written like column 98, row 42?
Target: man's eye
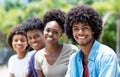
column 75, row 29
column 29, row 38
column 85, row 28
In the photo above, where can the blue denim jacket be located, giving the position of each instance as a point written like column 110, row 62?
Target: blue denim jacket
column 102, row 62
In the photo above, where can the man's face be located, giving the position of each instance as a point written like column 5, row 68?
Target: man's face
column 82, row 33
column 35, row 39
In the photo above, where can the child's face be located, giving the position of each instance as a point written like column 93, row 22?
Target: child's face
column 19, row 43
column 82, row 33
column 35, row 39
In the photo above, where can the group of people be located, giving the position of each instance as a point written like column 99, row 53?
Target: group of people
column 51, row 58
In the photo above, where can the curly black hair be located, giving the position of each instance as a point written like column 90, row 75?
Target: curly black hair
column 15, row 30
column 32, row 24
column 83, row 14
column 55, row 15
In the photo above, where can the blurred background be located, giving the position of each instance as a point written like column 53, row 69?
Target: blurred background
column 13, row 12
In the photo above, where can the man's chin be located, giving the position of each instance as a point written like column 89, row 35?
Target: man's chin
column 82, row 44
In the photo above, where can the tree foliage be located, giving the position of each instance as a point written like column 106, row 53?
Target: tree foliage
column 110, row 9
column 14, row 12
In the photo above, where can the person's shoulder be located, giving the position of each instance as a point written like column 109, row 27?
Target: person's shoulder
column 106, row 54
column 40, row 52
column 39, row 56
column 13, row 57
column 76, row 54
column 106, row 50
column 71, row 46
column 29, row 54
column 33, row 51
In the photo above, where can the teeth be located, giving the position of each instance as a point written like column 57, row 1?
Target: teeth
column 19, row 46
column 34, row 44
column 81, row 37
column 49, row 38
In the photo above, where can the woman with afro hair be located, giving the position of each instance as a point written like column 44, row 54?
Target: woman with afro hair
column 93, row 59
column 52, row 61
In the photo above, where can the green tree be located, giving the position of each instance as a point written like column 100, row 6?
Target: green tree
column 110, row 11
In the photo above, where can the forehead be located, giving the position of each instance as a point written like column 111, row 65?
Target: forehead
column 80, row 24
column 34, row 31
column 19, row 36
column 52, row 25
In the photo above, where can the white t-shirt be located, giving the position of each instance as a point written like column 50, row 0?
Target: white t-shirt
column 19, row 66
column 59, row 68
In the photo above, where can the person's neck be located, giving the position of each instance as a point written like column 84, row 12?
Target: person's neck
column 53, row 48
column 86, row 50
column 22, row 55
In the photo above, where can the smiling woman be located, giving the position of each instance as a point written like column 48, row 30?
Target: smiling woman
column 55, row 55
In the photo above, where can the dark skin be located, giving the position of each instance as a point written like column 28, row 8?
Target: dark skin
column 52, row 33
column 86, row 51
column 35, row 37
column 83, row 34
column 53, row 54
column 17, row 41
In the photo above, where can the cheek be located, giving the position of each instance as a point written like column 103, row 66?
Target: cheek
column 26, row 45
column 13, row 44
column 28, row 41
column 73, row 34
column 90, row 33
column 44, row 34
